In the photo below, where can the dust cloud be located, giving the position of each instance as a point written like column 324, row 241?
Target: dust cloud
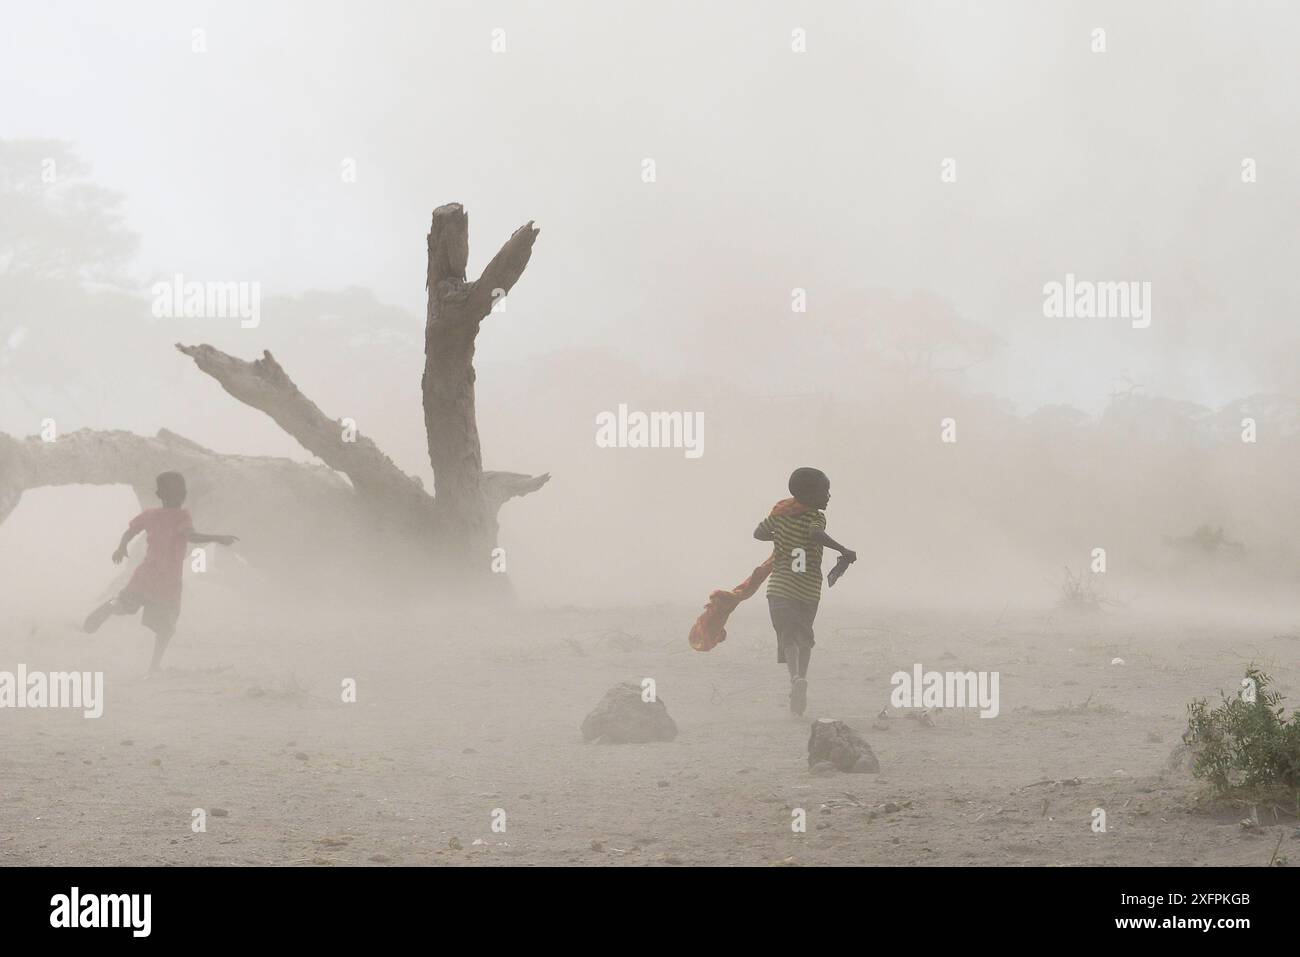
column 835, row 258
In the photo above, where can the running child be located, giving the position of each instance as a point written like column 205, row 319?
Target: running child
column 797, row 529
column 156, row 585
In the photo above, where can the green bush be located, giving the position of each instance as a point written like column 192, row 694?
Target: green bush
column 1244, row 745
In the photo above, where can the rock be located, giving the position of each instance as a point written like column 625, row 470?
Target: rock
column 846, row 750
column 623, row 718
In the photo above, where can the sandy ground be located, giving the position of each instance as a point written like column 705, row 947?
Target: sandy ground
column 455, row 721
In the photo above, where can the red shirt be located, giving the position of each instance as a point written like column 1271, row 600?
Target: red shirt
column 158, row 579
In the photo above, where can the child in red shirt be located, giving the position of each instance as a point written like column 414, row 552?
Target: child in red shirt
column 156, row 585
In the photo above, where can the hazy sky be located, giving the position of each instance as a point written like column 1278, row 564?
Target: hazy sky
column 775, row 169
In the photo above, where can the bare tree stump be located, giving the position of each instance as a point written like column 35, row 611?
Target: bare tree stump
column 455, row 310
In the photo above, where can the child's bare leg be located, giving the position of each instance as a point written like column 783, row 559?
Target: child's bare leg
column 101, row 614
column 798, row 685
column 792, row 659
column 159, row 647
column 805, row 656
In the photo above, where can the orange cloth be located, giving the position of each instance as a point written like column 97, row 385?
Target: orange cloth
column 710, row 629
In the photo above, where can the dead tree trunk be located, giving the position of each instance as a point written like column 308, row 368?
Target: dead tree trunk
column 455, row 310
column 457, row 526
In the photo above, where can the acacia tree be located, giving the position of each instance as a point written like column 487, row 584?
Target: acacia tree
column 360, row 495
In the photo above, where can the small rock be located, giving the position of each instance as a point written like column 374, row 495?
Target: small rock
column 835, row 742
column 219, row 812
column 622, row 717
column 381, row 858
column 300, row 755
column 1117, row 661
column 597, row 846
column 455, row 844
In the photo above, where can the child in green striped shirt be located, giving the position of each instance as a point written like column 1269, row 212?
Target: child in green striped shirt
column 797, row 530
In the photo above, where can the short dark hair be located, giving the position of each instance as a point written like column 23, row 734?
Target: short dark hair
column 171, row 487
column 806, row 482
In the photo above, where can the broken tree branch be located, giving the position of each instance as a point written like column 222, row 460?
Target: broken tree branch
column 264, row 385
column 501, row 487
column 503, row 271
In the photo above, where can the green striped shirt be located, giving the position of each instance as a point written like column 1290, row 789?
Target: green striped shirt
column 796, row 562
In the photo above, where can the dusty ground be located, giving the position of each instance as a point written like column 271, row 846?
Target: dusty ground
column 453, row 722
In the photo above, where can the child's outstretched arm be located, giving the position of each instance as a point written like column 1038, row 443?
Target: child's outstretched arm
column 764, row 534
column 119, row 556
column 202, row 538
column 819, row 537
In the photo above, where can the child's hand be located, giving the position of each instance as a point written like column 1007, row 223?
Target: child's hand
column 119, row 556
column 849, row 555
column 225, row 539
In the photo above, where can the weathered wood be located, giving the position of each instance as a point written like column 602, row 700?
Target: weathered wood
column 455, row 310
column 286, row 513
column 264, row 385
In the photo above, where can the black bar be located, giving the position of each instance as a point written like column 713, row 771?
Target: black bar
column 926, row 905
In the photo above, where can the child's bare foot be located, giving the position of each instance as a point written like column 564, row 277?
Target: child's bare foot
column 98, row 617
column 798, row 696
